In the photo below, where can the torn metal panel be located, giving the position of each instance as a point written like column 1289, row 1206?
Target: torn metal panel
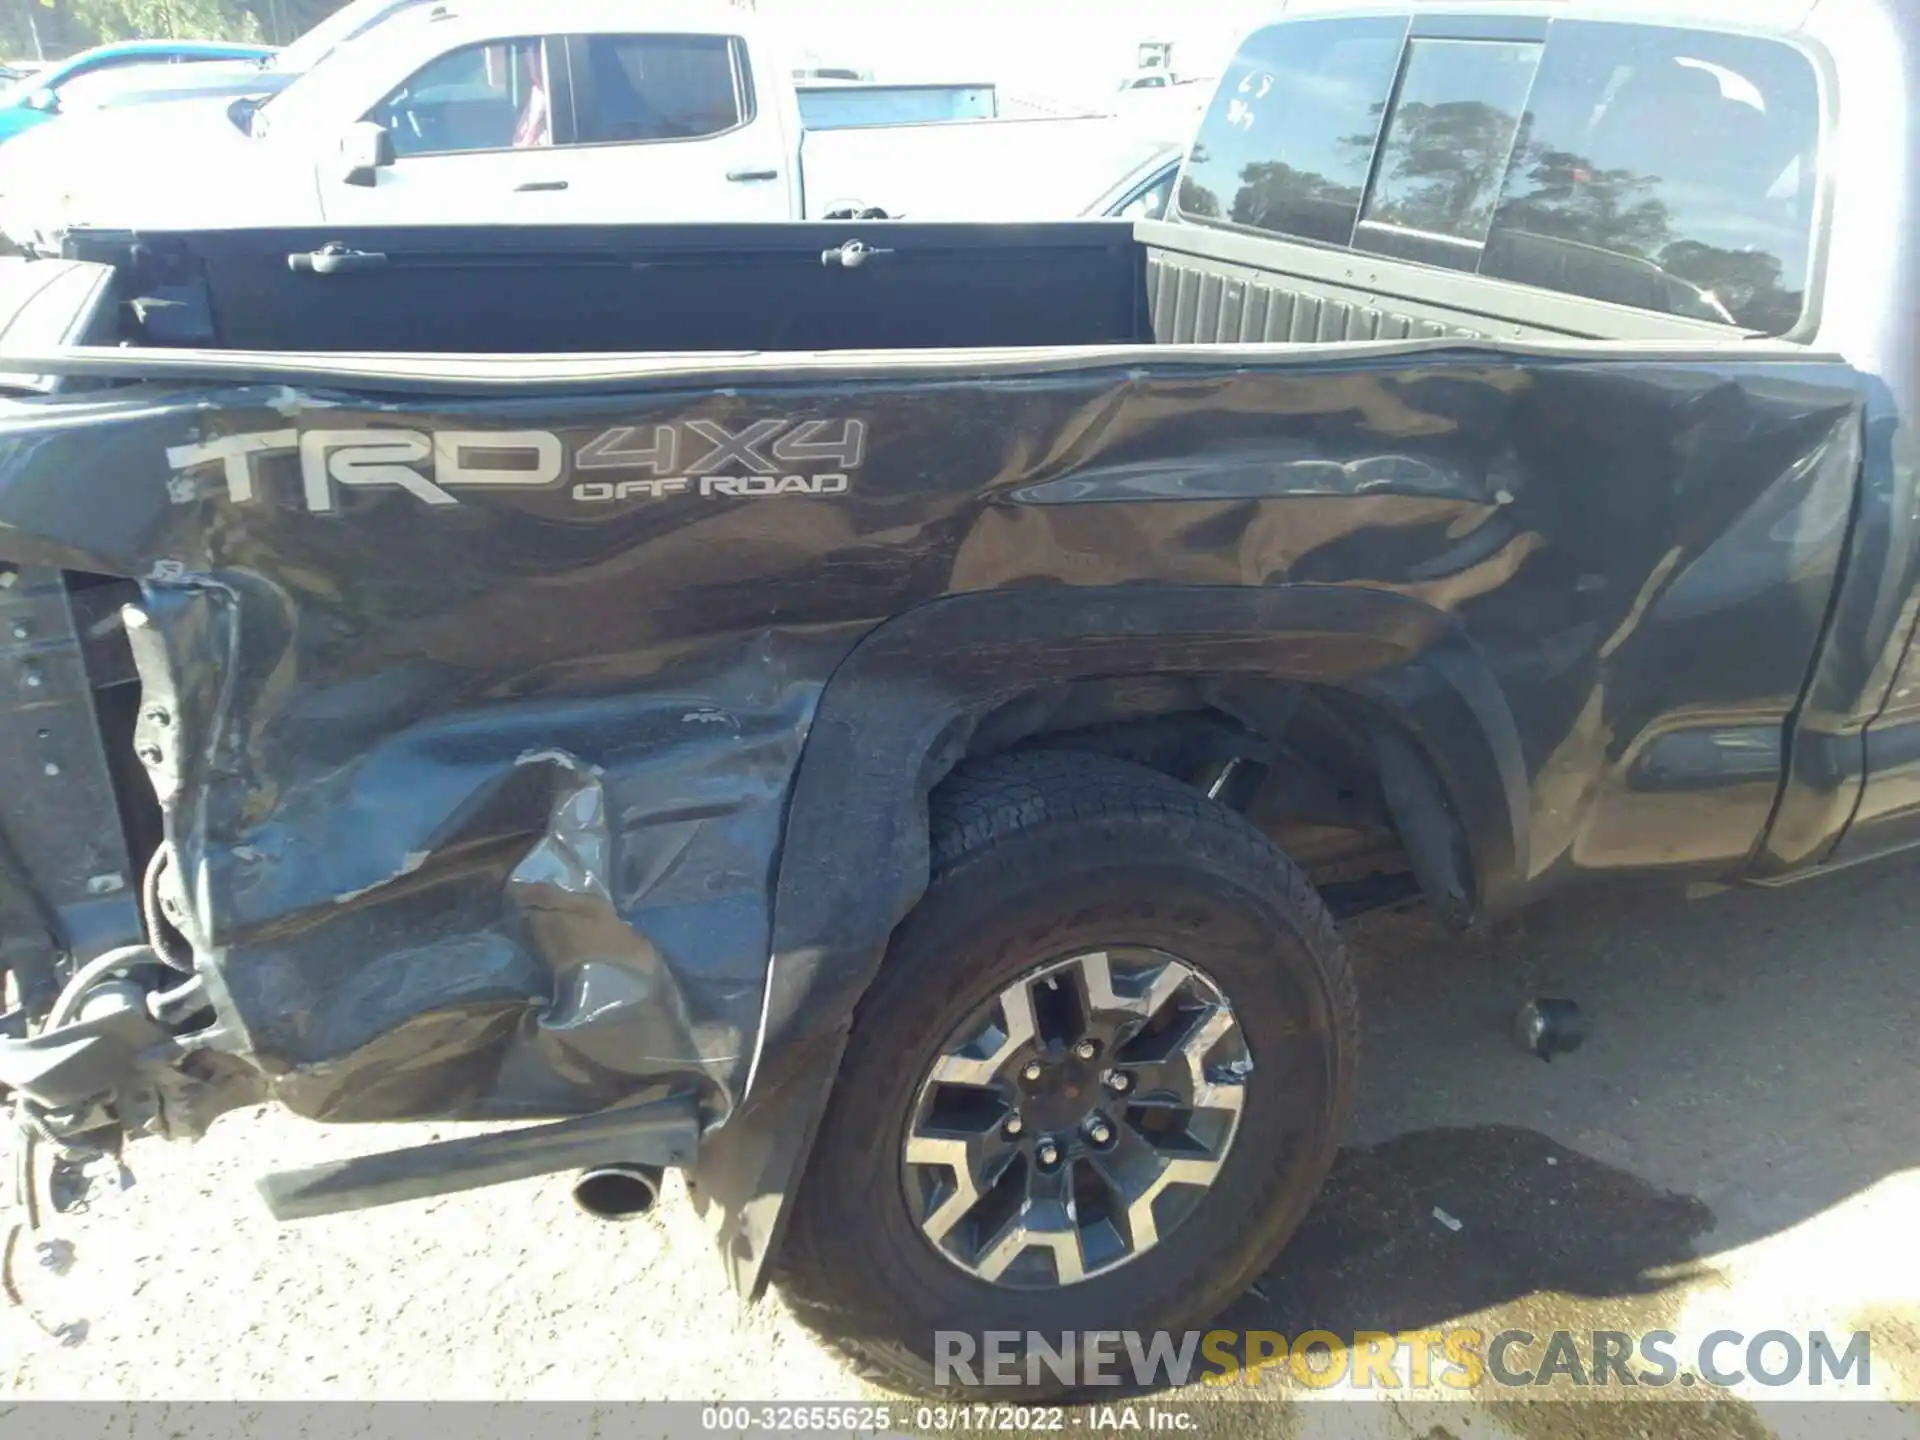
column 488, row 759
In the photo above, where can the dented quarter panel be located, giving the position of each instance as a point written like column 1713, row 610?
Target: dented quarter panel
column 480, row 803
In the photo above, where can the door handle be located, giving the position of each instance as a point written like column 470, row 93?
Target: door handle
column 334, row 258
column 743, row 175
column 851, row 256
column 539, row 185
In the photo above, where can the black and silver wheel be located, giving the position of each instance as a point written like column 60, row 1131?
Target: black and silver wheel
column 1095, row 1085
column 1076, row 1117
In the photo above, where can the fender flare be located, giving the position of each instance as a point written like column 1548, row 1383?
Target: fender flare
column 896, row 716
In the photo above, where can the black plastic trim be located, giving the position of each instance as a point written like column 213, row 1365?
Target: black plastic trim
column 896, row 717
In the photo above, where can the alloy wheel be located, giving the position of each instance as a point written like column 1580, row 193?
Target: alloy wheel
column 1070, row 1123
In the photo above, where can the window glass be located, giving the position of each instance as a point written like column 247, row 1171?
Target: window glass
column 1672, row 170
column 1150, row 201
column 1444, row 153
column 1288, row 140
column 657, row 87
column 491, row 96
column 1668, row 169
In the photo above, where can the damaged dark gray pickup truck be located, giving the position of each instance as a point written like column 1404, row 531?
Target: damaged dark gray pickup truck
column 898, row 749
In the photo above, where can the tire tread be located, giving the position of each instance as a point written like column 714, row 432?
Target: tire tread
column 980, row 807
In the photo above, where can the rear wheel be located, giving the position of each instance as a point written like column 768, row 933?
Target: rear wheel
column 1094, row 1087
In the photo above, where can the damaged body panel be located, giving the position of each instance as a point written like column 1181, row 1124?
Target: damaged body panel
column 889, row 722
column 527, row 753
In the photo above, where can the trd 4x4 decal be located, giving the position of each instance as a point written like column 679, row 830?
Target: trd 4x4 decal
column 628, row 462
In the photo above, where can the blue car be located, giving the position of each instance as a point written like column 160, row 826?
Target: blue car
column 36, row 99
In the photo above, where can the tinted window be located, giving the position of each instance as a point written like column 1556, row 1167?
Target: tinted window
column 491, row 96
column 1667, row 169
column 1444, row 153
column 1672, row 170
column 1288, row 141
column 657, row 87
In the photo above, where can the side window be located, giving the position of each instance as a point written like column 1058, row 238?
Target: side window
column 1671, row 170
column 1150, row 201
column 658, row 87
column 1288, row 141
column 490, row 96
column 1444, row 153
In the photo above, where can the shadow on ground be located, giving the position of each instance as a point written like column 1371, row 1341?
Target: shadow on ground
column 1756, row 1051
column 1752, row 1061
column 1545, row 1219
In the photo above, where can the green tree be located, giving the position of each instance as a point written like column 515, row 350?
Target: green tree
column 165, row 19
column 1275, row 196
column 1445, row 167
column 1748, row 282
column 51, row 29
column 1568, row 196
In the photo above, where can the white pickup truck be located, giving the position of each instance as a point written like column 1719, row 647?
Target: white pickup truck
column 579, row 111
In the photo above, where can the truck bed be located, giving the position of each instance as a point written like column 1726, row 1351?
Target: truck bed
column 689, row 288
column 581, row 289
column 477, row 688
column 407, row 610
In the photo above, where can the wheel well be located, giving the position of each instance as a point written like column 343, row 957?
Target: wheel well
column 1339, row 785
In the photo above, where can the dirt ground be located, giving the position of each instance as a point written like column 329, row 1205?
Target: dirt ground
column 1737, row 1145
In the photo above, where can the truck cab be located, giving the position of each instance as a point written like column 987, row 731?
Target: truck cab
column 445, row 114
column 472, row 112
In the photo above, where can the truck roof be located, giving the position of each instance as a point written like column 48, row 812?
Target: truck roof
column 1778, row 15
column 553, row 17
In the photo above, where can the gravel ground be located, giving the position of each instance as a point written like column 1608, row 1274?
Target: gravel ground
column 1737, row 1144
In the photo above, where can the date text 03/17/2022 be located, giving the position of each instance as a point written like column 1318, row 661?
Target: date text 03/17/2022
column 786, row 1419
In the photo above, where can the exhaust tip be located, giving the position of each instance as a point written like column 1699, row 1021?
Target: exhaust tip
column 617, row 1192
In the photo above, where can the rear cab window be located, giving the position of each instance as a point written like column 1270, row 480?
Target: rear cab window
column 1288, row 143
column 1667, row 169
